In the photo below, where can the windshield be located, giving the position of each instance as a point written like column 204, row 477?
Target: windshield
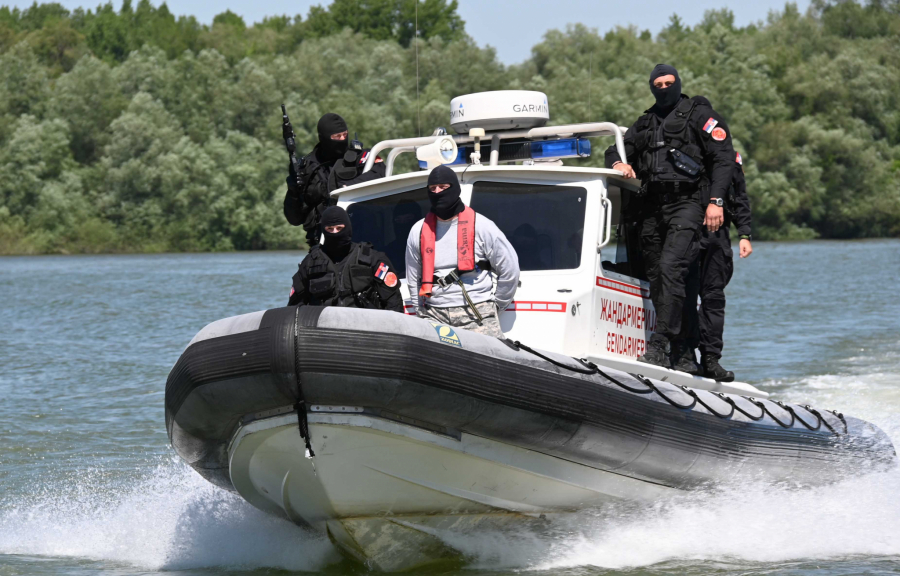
column 386, row 222
column 545, row 224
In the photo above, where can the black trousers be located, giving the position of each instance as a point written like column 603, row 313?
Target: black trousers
column 670, row 242
column 703, row 328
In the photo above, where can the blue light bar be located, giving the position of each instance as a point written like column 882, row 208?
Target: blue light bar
column 568, row 148
column 518, row 151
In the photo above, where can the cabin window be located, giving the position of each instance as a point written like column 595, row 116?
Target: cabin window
column 629, row 258
column 545, row 224
column 386, row 222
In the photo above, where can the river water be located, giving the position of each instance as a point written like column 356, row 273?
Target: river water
column 88, row 483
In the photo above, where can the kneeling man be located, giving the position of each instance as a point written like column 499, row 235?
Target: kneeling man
column 340, row 272
column 450, row 256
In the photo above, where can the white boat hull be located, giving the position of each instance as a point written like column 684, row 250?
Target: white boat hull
column 385, row 491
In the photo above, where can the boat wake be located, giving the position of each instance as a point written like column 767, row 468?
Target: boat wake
column 744, row 523
column 171, row 520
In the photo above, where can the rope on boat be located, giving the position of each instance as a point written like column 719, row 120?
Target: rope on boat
column 655, row 388
column 591, row 369
column 300, row 405
column 775, row 418
column 762, row 410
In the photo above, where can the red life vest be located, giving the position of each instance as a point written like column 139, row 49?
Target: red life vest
column 465, row 247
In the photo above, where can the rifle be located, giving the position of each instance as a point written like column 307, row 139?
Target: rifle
column 290, row 142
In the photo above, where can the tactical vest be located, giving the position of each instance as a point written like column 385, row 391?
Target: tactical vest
column 661, row 147
column 349, row 283
column 345, row 169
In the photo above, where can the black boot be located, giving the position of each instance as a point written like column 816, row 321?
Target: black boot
column 684, row 359
column 712, row 369
column 657, row 352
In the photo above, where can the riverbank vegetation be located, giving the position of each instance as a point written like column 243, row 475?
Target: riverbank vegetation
column 134, row 130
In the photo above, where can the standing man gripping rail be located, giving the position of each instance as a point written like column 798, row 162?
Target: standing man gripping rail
column 681, row 151
column 450, row 255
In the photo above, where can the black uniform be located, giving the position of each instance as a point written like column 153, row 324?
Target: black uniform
column 713, row 270
column 345, row 273
column 332, row 164
column 683, row 156
column 361, row 280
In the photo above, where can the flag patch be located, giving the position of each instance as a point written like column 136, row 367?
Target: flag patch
column 382, row 271
column 710, row 124
column 738, row 158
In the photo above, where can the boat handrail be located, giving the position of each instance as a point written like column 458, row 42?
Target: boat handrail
column 586, row 130
column 607, row 222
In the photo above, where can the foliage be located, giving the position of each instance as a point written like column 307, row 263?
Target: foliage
column 134, row 130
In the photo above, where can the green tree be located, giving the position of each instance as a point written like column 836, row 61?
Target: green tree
column 389, row 19
column 136, row 130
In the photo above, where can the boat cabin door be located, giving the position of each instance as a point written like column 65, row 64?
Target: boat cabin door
column 624, row 317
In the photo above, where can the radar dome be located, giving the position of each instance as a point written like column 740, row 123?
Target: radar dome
column 499, row 110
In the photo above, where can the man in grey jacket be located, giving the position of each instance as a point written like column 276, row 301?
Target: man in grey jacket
column 450, row 256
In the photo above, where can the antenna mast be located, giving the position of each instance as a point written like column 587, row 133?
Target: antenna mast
column 416, row 41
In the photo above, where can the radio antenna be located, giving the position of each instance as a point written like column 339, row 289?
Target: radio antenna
column 416, row 41
column 590, row 82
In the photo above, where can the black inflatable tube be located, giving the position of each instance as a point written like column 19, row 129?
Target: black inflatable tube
column 587, row 419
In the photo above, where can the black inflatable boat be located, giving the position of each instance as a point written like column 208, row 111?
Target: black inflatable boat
column 382, row 429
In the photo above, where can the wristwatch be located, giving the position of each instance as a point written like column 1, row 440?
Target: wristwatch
column 717, row 201
column 745, row 237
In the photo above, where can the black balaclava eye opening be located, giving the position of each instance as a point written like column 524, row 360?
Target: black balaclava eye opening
column 666, row 98
column 446, row 204
column 336, row 245
column 328, row 125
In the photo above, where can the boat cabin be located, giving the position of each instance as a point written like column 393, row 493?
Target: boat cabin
column 582, row 289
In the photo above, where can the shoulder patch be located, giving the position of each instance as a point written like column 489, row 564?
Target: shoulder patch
column 362, row 158
column 292, row 292
column 738, row 159
column 710, row 125
column 719, row 134
column 390, row 280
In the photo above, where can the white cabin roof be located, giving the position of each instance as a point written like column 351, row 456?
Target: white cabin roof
column 510, row 173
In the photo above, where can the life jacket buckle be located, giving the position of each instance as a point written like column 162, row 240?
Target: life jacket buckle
column 445, row 281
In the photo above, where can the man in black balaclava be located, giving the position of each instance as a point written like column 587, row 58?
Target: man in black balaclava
column 333, row 134
column 335, row 162
column 444, row 193
column 340, row 272
column 337, row 232
column 668, row 92
column 450, row 255
column 681, row 151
